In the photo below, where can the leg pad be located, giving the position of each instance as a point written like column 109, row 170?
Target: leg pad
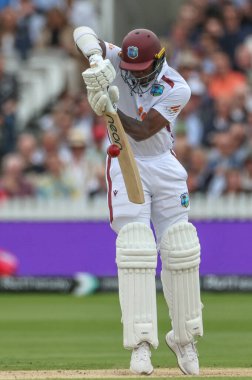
column 180, row 252
column 136, row 258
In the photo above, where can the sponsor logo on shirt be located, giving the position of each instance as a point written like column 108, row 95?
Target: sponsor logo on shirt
column 141, row 113
column 132, row 52
column 174, row 109
column 157, row 90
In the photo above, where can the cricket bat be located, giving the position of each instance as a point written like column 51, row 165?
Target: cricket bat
column 126, row 158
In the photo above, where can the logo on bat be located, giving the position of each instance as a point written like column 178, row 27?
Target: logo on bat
column 113, row 132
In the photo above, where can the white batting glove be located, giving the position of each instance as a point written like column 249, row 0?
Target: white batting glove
column 98, row 100
column 113, row 93
column 100, row 75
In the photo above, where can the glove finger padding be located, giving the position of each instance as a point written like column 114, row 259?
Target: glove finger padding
column 99, row 76
column 98, row 101
column 113, row 93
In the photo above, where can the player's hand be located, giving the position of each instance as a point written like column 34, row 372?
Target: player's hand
column 113, row 94
column 98, row 100
column 100, row 74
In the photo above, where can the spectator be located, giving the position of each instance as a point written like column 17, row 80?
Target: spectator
column 243, row 61
column 198, row 175
column 191, row 115
column 8, row 30
column 84, row 117
column 221, row 158
column 13, row 183
column 246, row 175
column 97, row 186
column 217, row 120
column 224, row 80
column 78, row 169
column 8, row 104
column 57, row 37
column 49, row 146
column 234, row 32
column 97, row 151
column 28, row 149
column 54, row 183
column 233, row 181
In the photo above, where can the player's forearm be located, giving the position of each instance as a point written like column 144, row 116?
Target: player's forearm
column 133, row 127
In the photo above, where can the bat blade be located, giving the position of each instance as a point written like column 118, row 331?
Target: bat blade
column 126, row 158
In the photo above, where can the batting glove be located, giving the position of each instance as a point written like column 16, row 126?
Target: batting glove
column 98, row 100
column 113, row 94
column 100, row 75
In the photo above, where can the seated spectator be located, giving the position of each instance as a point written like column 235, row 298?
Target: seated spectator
column 54, row 183
column 9, row 93
column 198, row 174
column 246, row 175
column 224, row 80
column 191, row 113
column 238, row 133
column 233, row 181
column 8, row 29
column 238, row 112
column 28, row 149
column 243, row 61
column 218, row 120
column 235, row 32
column 78, row 169
column 57, row 37
column 188, row 64
column 182, row 149
column 13, row 182
column 221, row 158
column 97, row 186
column 84, row 116
column 97, row 152
column 48, row 145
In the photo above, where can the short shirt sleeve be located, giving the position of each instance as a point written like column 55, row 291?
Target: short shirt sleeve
column 173, row 101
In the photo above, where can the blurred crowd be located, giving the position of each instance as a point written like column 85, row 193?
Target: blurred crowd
column 63, row 151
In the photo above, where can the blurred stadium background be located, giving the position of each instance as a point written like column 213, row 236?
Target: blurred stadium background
column 54, row 231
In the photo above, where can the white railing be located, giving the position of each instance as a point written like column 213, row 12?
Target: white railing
column 202, row 208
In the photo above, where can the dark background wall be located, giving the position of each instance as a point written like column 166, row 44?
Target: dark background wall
column 155, row 15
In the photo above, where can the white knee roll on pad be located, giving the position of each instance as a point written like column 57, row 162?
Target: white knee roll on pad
column 136, row 258
column 180, row 252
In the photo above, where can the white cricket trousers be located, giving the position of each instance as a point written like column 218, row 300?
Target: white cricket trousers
column 165, row 192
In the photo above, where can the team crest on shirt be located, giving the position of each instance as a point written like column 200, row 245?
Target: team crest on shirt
column 184, row 199
column 132, row 52
column 157, row 89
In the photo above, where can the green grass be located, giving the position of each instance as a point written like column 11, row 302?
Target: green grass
column 67, row 332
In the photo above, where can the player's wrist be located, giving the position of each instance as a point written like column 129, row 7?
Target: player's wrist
column 95, row 59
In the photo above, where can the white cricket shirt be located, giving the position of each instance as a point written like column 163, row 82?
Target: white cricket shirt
column 172, row 95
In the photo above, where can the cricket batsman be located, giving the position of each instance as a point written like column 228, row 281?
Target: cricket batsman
column 152, row 94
